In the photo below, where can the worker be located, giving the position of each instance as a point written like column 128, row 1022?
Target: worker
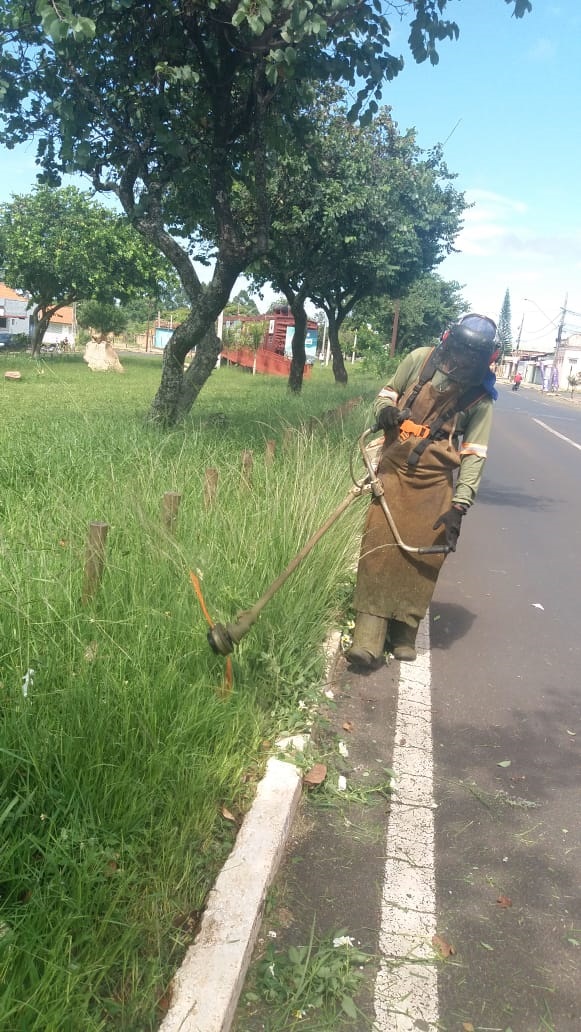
column 436, row 414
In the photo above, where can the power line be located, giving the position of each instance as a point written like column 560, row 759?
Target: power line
column 553, row 321
column 451, row 133
column 543, row 329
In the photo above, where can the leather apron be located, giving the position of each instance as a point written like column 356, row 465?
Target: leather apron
column 391, row 583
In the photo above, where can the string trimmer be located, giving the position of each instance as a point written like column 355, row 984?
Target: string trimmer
column 224, row 637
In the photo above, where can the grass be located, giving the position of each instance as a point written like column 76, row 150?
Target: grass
column 310, row 987
column 118, row 750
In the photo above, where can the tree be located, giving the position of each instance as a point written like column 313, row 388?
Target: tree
column 360, row 212
column 407, row 225
column 242, row 304
column 277, row 302
column 252, row 337
column 430, row 304
column 171, row 106
column 103, row 317
column 61, row 246
column 505, row 327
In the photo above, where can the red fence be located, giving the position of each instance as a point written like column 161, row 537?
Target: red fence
column 266, row 361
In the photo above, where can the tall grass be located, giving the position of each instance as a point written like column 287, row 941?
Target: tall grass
column 118, row 752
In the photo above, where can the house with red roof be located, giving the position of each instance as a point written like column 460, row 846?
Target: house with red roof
column 14, row 313
column 15, row 319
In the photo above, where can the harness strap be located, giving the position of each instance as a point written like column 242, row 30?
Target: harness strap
column 436, row 431
column 426, row 373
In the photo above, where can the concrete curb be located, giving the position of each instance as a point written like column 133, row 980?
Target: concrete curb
column 206, row 988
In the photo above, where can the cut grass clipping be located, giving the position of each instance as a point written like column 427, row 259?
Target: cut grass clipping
column 119, row 753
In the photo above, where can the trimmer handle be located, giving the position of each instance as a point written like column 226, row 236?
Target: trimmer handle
column 403, row 415
column 377, row 490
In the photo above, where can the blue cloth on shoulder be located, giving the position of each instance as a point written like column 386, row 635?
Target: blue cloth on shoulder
column 488, row 383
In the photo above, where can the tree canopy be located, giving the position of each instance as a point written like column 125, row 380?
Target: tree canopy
column 505, row 326
column 420, row 316
column 60, row 246
column 173, row 106
column 358, row 212
column 102, row 317
column 242, row 304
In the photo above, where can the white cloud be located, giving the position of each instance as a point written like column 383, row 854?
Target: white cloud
column 502, row 248
column 543, row 50
column 486, row 223
column 494, row 200
column 498, row 226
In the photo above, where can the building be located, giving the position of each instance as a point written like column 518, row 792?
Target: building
column 535, row 367
column 550, row 370
column 16, row 319
column 14, row 313
column 568, row 360
column 61, row 329
column 269, row 337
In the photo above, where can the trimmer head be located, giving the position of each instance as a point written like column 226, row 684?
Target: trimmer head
column 220, row 641
column 223, row 639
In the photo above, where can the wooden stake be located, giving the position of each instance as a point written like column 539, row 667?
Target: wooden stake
column 210, row 486
column 270, row 450
column 247, row 464
column 94, row 559
column 169, row 510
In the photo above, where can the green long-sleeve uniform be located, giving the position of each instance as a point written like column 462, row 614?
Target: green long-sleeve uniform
column 473, row 426
column 391, row 583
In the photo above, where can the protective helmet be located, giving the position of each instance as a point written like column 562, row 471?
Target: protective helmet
column 467, row 348
column 473, row 332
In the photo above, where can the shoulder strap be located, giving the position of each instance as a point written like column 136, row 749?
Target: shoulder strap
column 465, row 401
column 426, row 373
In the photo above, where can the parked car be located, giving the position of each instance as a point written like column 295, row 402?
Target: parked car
column 13, row 341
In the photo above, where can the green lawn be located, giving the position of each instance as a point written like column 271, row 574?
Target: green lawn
column 119, row 751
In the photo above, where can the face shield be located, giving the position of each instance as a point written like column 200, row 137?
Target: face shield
column 466, row 349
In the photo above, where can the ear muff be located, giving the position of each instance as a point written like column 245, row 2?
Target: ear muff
column 445, row 336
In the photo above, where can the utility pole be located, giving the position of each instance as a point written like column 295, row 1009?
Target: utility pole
column 514, row 352
column 394, row 329
column 519, row 333
column 328, row 345
column 559, row 337
column 220, row 336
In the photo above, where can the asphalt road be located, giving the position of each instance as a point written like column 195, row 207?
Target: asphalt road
column 480, row 845
column 506, row 689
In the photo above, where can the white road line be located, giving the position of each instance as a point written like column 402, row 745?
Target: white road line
column 406, row 989
column 556, row 433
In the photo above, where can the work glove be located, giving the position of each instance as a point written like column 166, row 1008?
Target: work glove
column 390, row 417
column 451, row 521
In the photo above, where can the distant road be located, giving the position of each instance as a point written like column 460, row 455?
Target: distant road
column 506, row 702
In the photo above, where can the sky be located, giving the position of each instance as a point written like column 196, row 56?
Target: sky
column 504, row 102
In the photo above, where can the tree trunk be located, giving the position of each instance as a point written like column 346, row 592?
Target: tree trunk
column 339, row 371
column 178, row 391
column 295, row 380
column 40, row 326
column 199, row 372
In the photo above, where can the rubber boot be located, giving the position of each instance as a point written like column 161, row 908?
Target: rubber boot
column 368, row 640
column 403, row 641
